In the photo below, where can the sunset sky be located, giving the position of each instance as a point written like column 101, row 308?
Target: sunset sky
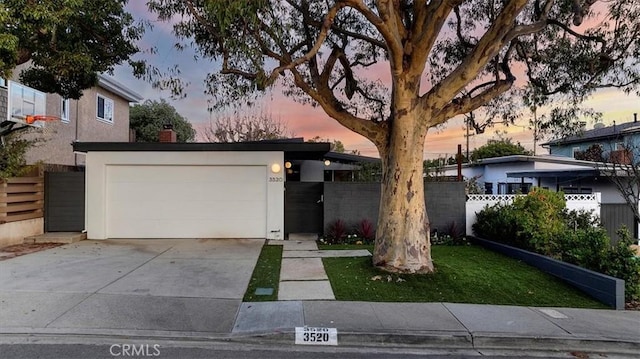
column 305, row 121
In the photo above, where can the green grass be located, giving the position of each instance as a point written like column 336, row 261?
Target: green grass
column 464, row 274
column 266, row 274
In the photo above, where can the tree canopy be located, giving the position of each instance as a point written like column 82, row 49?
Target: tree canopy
column 498, row 148
column 247, row 127
column 443, row 59
column 148, row 118
column 68, row 42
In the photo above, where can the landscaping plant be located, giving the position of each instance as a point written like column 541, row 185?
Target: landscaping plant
column 539, row 222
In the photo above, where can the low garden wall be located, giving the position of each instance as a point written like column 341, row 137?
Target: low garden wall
column 15, row 232
column 354, row 201
column 607, row 289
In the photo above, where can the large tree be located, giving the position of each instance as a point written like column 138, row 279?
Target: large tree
column 443, row 58
column 69, row 42
column 148, row 119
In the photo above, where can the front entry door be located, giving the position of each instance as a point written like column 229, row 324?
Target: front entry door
column 304, row 207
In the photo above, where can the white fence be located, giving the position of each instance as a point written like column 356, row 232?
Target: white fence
column 477, row 202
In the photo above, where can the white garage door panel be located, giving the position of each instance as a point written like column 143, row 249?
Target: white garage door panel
column 186, row 201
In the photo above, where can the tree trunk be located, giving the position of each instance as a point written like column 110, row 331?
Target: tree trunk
column 402, row 238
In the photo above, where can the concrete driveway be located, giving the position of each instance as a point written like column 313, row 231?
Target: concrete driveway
column 187, row 285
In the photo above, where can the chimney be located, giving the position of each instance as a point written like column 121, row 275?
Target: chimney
column 167, row 134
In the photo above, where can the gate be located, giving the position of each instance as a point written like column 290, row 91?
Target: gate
column 64, row 201
column 303, row 207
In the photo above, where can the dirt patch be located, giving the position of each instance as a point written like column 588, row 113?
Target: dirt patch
column 22, row 249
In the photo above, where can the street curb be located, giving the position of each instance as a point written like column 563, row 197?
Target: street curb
column 593, row 345
column 481, row 342
column 457, row 340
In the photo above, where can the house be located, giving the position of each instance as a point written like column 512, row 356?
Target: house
column 227, row 190
column 101, row 114
column 615, row 142
column 519, row 173
column 190, row 190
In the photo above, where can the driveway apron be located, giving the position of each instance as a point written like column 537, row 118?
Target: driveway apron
column 192, row 285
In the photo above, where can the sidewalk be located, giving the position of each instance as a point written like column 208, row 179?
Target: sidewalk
column 446, row 325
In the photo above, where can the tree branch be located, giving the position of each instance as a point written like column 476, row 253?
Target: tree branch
column 487, row 48
column 467, row 104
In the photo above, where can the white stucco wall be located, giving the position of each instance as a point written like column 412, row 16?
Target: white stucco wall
column 96, row 177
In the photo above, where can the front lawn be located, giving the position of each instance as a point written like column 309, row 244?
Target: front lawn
column 266, row 274
column 464, row 274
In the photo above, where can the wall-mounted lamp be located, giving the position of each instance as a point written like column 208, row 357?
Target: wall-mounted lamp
column 287, row 165
column 327, row 162
column 275, row 168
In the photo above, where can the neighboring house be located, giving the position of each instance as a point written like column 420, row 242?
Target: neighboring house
column 100, row 115
column 613, row 140
column 518, row 174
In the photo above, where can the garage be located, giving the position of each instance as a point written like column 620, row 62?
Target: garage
column 186, row 201
column 188, row 190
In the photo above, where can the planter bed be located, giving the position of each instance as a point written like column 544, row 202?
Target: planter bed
column 609, row 290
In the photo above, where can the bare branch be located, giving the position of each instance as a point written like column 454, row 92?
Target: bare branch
column 467, row 104
column 328, row 20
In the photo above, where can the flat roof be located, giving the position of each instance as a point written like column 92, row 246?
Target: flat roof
column 573, row 173
column 299, row 151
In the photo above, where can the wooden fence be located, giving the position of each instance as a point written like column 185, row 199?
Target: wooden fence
column 21, row 198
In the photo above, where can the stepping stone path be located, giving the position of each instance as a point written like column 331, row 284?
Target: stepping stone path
column 302, row 274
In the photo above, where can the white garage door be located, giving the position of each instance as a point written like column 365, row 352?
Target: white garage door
column 186, row 202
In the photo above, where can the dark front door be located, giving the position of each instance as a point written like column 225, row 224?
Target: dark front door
column 303, row 207
column 64, row 201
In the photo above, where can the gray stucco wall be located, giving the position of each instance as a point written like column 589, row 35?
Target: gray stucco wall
column 352, row 202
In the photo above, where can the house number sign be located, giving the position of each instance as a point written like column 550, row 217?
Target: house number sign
column 276, row 179
column 316, row 336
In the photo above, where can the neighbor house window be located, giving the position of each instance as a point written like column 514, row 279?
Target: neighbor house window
column 575, row 151
column 105, row 109
column 64, row 110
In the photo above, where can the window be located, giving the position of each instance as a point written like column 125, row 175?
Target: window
column 514, row 188
column 488, row 188
column 64, row 110
column 25, row 101
column 575, row 150
column 3, row 82
column 105, row 109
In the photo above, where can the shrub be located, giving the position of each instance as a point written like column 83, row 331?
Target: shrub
column 586, row 248
column 540, row 218
column 336, row 232
column 366, row 231
column 621, row 262
column 12, row 157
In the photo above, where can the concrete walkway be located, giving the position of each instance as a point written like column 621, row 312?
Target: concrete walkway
column 302, row 274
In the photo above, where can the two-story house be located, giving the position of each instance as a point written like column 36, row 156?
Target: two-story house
column 100, row 115
column 618, row 143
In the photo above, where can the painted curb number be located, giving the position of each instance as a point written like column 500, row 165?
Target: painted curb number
column 316, row 336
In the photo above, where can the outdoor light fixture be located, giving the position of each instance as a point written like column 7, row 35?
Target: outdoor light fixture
column 327, row 162
column 275, row 168
column 287, row 165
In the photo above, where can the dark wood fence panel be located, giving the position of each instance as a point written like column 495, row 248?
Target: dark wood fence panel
column 64, row 202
